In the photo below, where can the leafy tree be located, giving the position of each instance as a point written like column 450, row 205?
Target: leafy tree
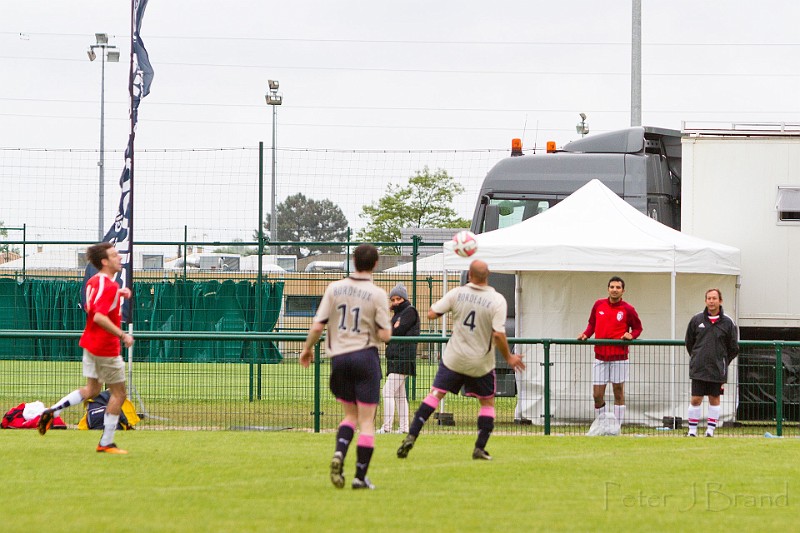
column 305, row 219
column 6, row 248
column 238, row 250
column 423, row 203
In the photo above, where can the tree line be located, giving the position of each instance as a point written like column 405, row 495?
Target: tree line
column 424, row 202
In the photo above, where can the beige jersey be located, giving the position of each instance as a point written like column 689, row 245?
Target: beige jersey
column 354, row 310
column 478, row 311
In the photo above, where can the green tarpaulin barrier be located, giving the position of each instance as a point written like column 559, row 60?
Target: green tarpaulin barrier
column 169, row 306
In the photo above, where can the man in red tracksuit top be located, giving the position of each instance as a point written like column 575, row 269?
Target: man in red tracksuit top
column 611, row 318
column 101, row 341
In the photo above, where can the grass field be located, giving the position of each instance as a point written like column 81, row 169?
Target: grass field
column 278, row 481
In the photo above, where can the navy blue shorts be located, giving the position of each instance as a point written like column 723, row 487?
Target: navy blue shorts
column 707, row 388
column 356, row 376
column 452, row 381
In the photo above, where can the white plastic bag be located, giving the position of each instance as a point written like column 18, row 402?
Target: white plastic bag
column 32, row 410
column 605, row 425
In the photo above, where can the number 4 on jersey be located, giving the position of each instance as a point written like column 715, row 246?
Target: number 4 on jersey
column 469, row 321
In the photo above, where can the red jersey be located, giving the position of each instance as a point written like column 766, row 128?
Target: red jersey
column 102, row 296
column 612, row 321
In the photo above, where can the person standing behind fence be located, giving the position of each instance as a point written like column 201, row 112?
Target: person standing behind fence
column 356, row 313
column 468, row 361
column 401, row 360
column 611, row 318
column 100, row 341
column 712, row 340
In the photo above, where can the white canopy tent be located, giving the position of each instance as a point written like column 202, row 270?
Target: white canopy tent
column 563, row 258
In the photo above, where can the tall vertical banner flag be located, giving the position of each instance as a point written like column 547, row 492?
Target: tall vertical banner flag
column 121, row 232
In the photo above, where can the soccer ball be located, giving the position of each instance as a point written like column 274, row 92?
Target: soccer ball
column 464, row 243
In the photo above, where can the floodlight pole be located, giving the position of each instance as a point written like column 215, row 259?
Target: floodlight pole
column 636, row 63
column 113, row 56
column 274, row 99
column 273, row 222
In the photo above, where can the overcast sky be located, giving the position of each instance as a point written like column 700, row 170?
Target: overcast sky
column 392, row 75
column 355, row 75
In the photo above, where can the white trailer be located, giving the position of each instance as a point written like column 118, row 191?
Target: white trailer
column 741, row 187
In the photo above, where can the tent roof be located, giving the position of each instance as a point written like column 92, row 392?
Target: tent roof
column 594, row 230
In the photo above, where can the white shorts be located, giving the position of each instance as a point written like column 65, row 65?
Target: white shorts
column 108, row 370
column 613, row 371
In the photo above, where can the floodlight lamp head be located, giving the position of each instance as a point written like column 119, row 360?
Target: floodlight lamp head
column 273, row 85
column 102, row 38
column 583, row 116
column 113, row 55
column 274, row 99
column 91, row 54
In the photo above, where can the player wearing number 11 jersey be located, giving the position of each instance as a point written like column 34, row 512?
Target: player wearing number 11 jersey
column 479, row 315
column 356, row 313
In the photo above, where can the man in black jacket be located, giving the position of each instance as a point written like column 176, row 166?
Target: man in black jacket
column 401, row 360
column 712, row 341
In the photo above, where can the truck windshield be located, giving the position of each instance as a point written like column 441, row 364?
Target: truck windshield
column 512, row 212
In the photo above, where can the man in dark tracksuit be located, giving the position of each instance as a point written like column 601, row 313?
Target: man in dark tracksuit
column 712, row 340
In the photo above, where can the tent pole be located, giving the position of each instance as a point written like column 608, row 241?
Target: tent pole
column 517, row 305
column 444, row 330
column 521, row 396
column 672, row 284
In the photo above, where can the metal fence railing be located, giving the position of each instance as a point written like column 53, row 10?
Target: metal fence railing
column 553, row 396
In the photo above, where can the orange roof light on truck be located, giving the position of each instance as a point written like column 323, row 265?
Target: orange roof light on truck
column 516, row 147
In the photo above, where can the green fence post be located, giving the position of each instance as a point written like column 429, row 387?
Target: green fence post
column 185, row 249
column 24, row 250
column 250, row 384
column 258, row 380
column 347, row 251
column 415, row 239
column 317, row 392
column 779, row 389
column 546, row 345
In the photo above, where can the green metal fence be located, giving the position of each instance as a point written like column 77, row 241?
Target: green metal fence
column 43, row 293
column 249, row 394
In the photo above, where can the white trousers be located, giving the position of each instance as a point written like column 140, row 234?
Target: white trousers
column 394, row 393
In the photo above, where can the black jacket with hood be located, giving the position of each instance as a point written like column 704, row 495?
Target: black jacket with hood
column 401, row 357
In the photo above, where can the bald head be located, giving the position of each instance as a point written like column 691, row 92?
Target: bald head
column 478, row 272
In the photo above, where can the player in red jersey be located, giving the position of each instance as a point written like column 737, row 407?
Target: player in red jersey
column 101, row 342
column 611, row 318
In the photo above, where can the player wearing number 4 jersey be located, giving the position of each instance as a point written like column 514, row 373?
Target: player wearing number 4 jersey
column 356, row 313
column 479, row 315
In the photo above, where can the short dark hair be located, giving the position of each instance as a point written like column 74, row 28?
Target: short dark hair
column 97, row 252
column 616, row 278
column 365, row 257
column 719, row 293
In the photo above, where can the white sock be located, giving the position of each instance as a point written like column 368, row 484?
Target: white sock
column 619, row 413
column 109, row 427
column 73, row 398
column 713, row 418
column 693, row 414
column 599, row 410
